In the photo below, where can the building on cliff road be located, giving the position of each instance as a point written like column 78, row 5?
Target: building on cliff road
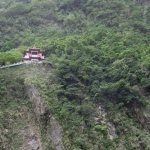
column 33, row 54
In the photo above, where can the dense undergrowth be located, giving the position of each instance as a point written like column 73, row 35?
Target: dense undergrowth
column 100, row 51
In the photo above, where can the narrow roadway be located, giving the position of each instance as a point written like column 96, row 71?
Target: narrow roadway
column 12, row 65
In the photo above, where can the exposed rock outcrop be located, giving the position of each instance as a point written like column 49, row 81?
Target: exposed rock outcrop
column 101, row 119
column 31, row 140
column 45, row 120
column 40, row 109
column 54, row 134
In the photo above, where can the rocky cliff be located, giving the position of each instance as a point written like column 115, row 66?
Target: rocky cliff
column 48, row 125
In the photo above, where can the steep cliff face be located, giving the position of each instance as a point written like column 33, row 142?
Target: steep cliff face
column 48, row 125
column 43, row 131
column 26, row 123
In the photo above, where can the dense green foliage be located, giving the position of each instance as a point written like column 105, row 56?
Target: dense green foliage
column 101, row 54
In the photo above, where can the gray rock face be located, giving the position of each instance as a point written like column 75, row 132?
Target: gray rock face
column 56, row 134
column 42, row 114
column 31, row 141
column 101, row 118
column 40, row 109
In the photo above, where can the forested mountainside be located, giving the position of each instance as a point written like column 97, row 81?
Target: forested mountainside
column 98, row 86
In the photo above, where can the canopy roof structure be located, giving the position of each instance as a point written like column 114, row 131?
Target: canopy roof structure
column 33, row 54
